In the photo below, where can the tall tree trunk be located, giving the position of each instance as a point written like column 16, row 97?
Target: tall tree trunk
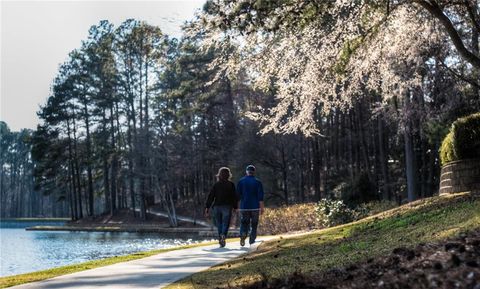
column 90, row 210
column 383, row 158
column 77, row 170
column 147, row 151
column 141, row 145
column 131, row 176
column 71, row 177
column 113, row 187
column 316, row 167
column 350, row 149
column 363, row 140
column 409, row 153
column 336, row 129
column 476, row 49
column 230, row 122
column 105, row 157
column 133, row 152
column 284, row 172
column 301, row 169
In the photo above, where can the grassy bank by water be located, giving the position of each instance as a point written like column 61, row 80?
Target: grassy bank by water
column 50, row 273
column 425, row 220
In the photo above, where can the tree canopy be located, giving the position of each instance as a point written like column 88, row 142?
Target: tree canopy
column 336, row 99
column 321, row 55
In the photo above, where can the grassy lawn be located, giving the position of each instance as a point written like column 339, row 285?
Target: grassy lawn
column 50, row 273
column 422, row 221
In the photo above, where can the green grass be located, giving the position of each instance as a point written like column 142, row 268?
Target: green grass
column 50, row 273
column 426, row 220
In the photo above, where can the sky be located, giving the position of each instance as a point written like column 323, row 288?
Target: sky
column 36, row 37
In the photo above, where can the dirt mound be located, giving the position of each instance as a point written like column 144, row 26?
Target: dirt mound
column 454, row 263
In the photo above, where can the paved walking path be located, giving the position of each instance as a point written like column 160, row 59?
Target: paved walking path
column 150, row 272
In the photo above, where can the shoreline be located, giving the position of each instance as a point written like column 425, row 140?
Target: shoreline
column 12, row 280
column 201, row 231
column 34, row 220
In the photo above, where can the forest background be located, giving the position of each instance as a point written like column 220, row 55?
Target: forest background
column 353, row 108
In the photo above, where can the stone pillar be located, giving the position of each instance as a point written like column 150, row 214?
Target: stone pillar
column 460, row 176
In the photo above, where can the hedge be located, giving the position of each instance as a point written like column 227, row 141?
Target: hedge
column 463, row 140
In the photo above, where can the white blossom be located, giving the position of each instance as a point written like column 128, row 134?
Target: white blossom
column 314, row 70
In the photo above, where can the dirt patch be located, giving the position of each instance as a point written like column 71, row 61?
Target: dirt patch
column 454, row 263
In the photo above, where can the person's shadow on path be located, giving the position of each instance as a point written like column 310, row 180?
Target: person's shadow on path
column 226, row 249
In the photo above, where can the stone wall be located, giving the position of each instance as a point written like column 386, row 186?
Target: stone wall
column 460, row 176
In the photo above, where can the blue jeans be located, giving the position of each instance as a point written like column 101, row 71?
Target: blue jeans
column 222, row 218
column 249, row 219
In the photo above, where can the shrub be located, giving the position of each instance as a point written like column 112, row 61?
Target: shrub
column 310, row 216
column 463, row 140
column 447, row 153
column 466, row 137
column 288, row 219
column 333, row 212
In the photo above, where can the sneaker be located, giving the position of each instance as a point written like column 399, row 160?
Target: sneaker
column 250, row 241
column 222, row 241
column 242, row 240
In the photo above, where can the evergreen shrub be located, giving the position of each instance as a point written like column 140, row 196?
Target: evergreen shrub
column 463, row 140
column 466, row 137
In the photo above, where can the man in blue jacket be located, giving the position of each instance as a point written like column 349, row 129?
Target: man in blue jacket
column 250, row 196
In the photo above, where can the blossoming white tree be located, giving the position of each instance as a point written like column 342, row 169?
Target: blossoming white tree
column 318, row 56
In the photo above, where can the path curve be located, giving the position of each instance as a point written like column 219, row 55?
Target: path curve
column 148, row 273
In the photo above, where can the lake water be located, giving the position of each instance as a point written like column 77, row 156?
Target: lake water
column 24, row 251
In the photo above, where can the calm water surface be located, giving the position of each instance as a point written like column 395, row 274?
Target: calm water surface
column 27, row 251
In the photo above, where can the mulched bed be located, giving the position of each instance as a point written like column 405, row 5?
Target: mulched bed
column 454, row 263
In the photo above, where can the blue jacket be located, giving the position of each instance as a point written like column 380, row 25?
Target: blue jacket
column 250, row 192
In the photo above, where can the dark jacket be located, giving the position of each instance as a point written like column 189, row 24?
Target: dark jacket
column 222, row 194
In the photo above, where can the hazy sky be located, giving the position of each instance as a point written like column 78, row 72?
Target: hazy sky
column 36, row 36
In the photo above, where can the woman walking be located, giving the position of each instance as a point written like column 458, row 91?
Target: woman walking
column 224, row 199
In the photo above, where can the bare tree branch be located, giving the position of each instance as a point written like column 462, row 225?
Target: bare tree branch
column 460, row 76
column 433, row 8
column 472, row 12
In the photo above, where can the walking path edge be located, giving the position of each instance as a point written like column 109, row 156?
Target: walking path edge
column 156, row 271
